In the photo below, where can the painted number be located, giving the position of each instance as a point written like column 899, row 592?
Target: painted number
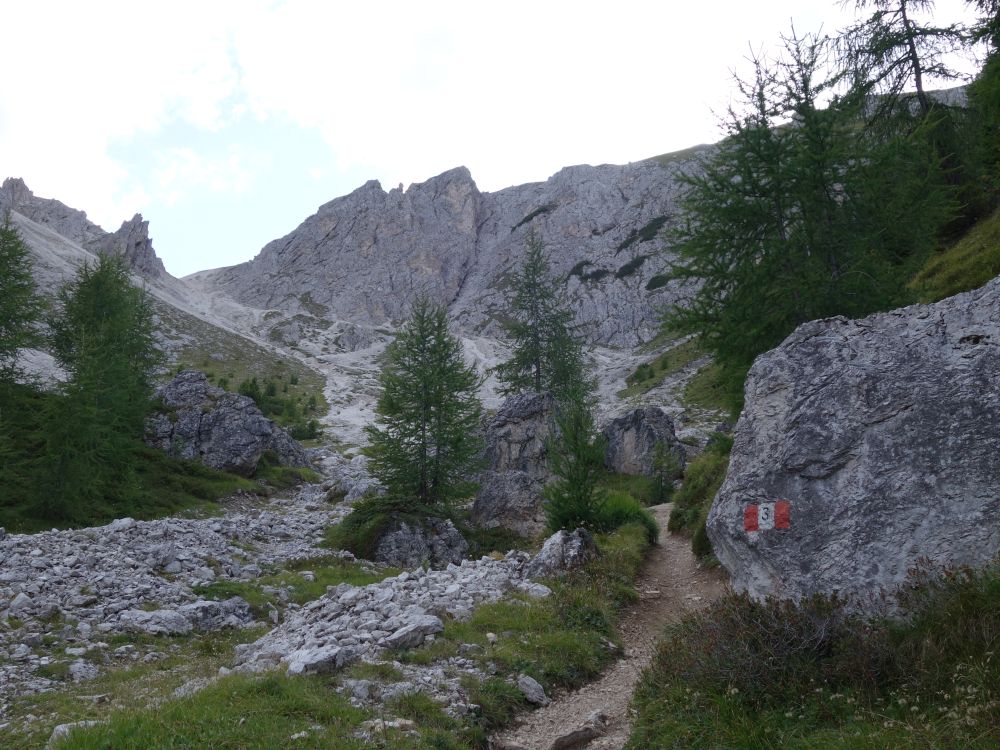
column 767, row 516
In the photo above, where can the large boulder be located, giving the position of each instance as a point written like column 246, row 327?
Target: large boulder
column 510, row 490
column 509, row 500
column 227, row 431
column 405, row 544
column 516, row 437
column 562, row 552
column 864, row 447
column 631, row 440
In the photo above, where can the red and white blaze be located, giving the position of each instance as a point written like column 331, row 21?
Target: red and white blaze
column 767, row 516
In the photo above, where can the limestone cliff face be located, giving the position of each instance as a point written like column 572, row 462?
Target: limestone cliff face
column 365, row 256
column 131, row 241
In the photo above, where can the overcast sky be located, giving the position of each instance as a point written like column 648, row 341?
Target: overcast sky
column 226, row 123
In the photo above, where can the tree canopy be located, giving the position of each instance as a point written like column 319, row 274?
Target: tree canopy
column 546, row 354
column 426, row 436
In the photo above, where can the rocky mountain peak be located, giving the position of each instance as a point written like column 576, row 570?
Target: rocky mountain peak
column 363, row 257
column 131, row 241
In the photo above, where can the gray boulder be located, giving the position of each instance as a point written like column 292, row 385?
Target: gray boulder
column 157, row 622
column 319, row 659
column 516, row 436
column 880, row 439
column 510, row 491
column 562, row 552
column 509, row 500
column 414, row 633
column 223, row 430
column 205, row 615
column 407, row 545
column 631, row 440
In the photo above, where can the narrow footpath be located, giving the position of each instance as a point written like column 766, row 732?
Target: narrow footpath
column 670, row 585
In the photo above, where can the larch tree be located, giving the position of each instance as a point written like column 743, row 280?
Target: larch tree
column 426, row 438
column 103, row 335
column 546, row 354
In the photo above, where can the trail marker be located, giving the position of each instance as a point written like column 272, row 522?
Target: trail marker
column 767, row 516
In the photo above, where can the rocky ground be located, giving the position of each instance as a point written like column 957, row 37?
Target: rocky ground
column 65, row 594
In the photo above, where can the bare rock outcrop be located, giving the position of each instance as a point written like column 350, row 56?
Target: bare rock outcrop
column 435, row 541
column 510, row 490
column 132, row 243
column 864, row 447
column 631, row 440
column 364, row 257
column 220, row 429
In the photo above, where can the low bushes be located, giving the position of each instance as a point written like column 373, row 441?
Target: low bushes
column 744, row 673
column 702, row 479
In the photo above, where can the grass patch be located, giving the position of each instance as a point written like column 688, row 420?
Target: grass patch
column 645, row 489
column 327, row 571
column 647, row 233
column 631, row 267
column 489, row 541
column 125, row 683
column 595, row 275
column 652, row 373
column 965, row 265
column 537, row 212
column 374, row 671
column 711, row 389
column 702, row 479
column 768, row 674
column 658, row 281
column 237, row 711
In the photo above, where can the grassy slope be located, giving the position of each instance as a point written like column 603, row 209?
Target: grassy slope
column 220, row 354
column 744, row 674
column 968, row 264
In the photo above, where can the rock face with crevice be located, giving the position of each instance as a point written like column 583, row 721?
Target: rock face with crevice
column 882, row 436
column 510, row 490
column 220, row 429
column 365, row 256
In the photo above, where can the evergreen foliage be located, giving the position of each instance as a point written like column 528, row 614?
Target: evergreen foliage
column 426, row 438
column 546, row 354
column 576, row 458
column 795, row 217
column 20, row 307
column 103, row 335
column 891, row 51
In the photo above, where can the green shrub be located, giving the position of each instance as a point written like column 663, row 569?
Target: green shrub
column 745, row 673
column 360, row 531
column 702, row 479
column 619, row 509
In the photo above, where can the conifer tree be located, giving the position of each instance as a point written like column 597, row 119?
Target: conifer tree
column 795, row 217
column 546, row 355
column 103, row 335
column 576, row 458
column 20, row 307
column 425, row 441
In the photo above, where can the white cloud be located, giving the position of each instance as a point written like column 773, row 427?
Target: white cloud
column 180, row 171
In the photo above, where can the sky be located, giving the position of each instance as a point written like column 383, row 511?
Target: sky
column 226, row 123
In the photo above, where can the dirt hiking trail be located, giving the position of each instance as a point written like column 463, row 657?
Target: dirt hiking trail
column 670, row 584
